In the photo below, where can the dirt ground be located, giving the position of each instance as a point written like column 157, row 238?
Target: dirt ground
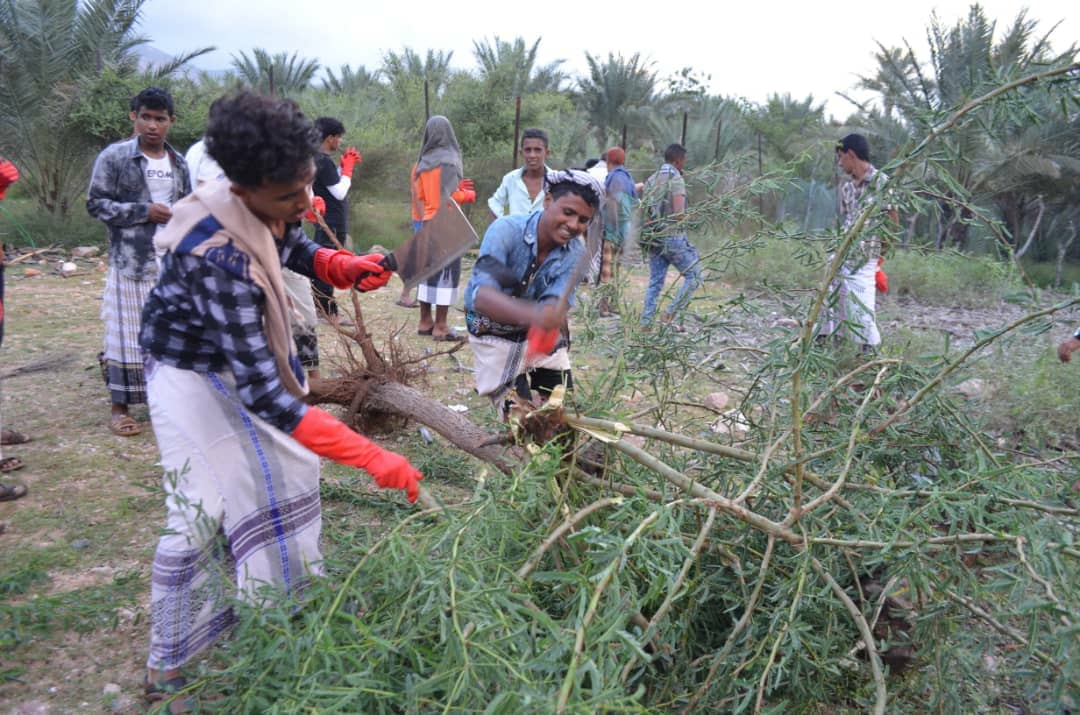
column 74, row 575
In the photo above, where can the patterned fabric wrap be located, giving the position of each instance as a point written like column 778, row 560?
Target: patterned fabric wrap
column 441, row 288
column 121, row 312
column 553, row 177
column 243, row 508
column 497, row 362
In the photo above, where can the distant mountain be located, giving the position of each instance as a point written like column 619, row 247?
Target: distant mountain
column 150, row 56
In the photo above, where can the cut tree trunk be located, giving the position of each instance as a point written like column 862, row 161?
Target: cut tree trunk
column 399, row 400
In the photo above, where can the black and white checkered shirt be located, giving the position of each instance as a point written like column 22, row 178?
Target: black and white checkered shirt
column 205, row 316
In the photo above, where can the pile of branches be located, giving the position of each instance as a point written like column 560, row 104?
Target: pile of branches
column 862, row 545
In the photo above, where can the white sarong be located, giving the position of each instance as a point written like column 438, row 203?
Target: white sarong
column 243, row 511
column 850, row 305
column 497, row 362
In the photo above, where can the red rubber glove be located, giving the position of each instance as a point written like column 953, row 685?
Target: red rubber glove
column 881, row 280
column 541, row 342
column 371, row 281
column 8, row 176
column 342, row 269
column 318, row 206
column 466, row 185
column 349, row 160
column 329, row 437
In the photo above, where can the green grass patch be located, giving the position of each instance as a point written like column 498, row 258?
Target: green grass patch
column 82, row 610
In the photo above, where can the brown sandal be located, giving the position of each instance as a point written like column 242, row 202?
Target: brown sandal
column 125, row 427
column 11, row 464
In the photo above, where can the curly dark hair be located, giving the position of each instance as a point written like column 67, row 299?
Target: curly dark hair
column 256, row 138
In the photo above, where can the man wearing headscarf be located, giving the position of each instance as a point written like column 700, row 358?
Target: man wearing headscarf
column 526, row 263
column 436, row 178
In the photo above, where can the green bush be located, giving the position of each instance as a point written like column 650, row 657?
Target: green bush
column 950, row 278
column 24, row 225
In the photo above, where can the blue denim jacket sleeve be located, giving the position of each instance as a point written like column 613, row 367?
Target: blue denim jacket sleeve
column 501, row 241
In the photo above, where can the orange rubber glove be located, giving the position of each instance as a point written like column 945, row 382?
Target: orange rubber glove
column 881, row 280
column 371, row 281
column 349, row 160
column 342, row 269
column 541, row 342
column 8, row 176
column 329, row 437
column 318, row 206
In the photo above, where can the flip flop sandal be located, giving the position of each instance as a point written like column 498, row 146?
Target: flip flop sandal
column 11, row 464
column 450, row 337
column 11, row 493
column 403, row 304
column 125, row 427
column 10, row 436
column 420, row 331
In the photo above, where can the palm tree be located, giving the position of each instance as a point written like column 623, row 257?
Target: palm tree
column 510, row 70
column 349, row 81
column 279, row 74
column 615, row 93
column 996, row 155
column 51, row 54
column 408, row 69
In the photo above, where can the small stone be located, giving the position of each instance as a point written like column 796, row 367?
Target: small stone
column 971, row 389
column 787, row 323
column 111, row 690
column 80, row 543
column 68, row 267
column 84, row 251
column 31, row 272
column 458, row 408
column 425, row 433
column 717, row 401
column 102, row 571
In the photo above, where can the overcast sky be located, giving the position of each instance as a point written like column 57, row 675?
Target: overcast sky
column 750, row 49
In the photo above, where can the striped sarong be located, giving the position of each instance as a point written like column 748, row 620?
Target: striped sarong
column 243, row 512
column 121, row 360
column 497, row 362
column 442, row 288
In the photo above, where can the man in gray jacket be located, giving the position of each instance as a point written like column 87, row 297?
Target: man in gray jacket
column 133, row 186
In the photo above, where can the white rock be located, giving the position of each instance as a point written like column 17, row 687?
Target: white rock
column 971, row 389
column 458, row 408
column 717, row 401
column 110, row 690
column 68, row 267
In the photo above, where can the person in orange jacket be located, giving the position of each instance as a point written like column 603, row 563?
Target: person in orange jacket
column 437, row 176
column 239, row 445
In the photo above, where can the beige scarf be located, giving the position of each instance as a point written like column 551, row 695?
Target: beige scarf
column 244, row 246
